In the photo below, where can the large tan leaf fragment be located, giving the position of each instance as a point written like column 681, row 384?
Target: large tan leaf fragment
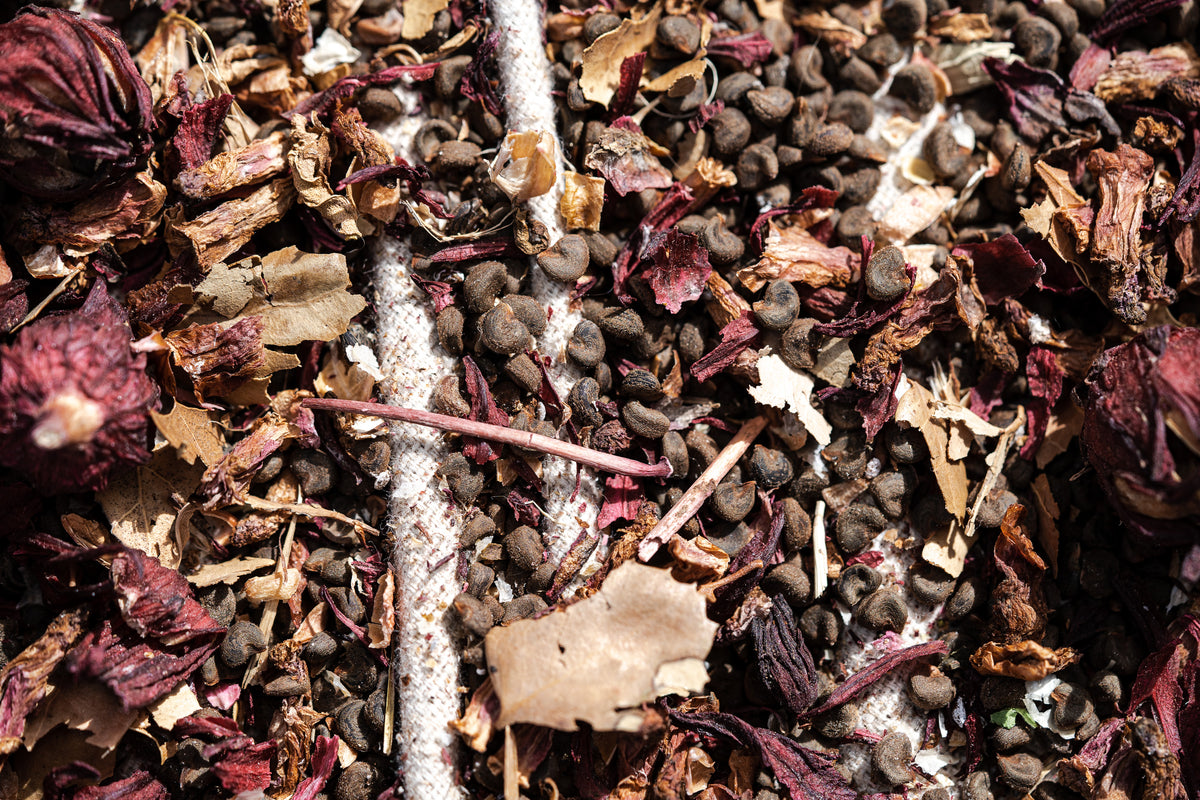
column 601, row 72
column 642, row 635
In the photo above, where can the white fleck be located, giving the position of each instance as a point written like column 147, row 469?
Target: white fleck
column 330, row 50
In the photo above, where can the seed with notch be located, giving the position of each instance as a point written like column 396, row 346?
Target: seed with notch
column 531, row 313
column 805, row 69
column 523, row 372
column 479, row 579
column 220, row 602
column 893, row 491
column 797, row 526
column 1020, row 770
column 678, row 33
column 448, row 74
column 915, row 85
column 731, row 501
column 892, row 757
column 501, row 331
column 723, row 245
column 586, row 345
column 882, row 610
column 476, row 528
column 483, row 283
column 566, row 260
column 243, row 641
column 853, row 108
column 770, row 105
column 582, row 399
column 756, row 167
column 702, row 447
column 1072, row 705
column 779, row 305
column 642, row 385
column 448, row 400
column 769, row 468
column 965, row 599
column 791, row 581
column 730, row 131
column 645, row 422
column 904, row 18
column 676, row 452
column 943, row 152
column 348, row 722
column 798, row 345
column 929, row 584
column 978, row 787
column 856, row 582
column 1037, row 40
column 930, row 690
column 472, row 614
column 1106, row 687
column 838, row 723
column 885, row 276
column 455, row 156
column 621, row 323
column 821, row 625
column 524, row 548
column 857, row 525
column 1016, row 172
column 830, row 140
column 522, row 607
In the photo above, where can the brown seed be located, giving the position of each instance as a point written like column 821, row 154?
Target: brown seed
column 730, row 132
column 837, row 723
column 645, row 422
column 450, row 330
column 855, row 223
column 676, row 453
column 448, row 75
column 641, row 385
column 882, row 50
column 906, row 445
column 805, row 69
column 447, row 398
column 1020, row 770
column 243, row 640
column 567, row 259
column 929, row 584
column 483, row 283
column 531, row 313
column 914, row 84
column 770, row 106
column 965, row 599
column 854, row 108
column 702, row 447
column 779, row 305
column 893, row 491
column 798, row 345
column 930, row 691
column 943, row 151
column 1016, row 172
column 882, row 610
column 756, row 166
column 455, row 156
column 857, row 525
column 821, row 625
column 1037, row 40
column 830, row 140
column 892, row 757
column 856, row 582
column 731, row 501
column 790, row 580
column 586, row 345
column 524, row 548
column 621, row 323
column 523, row 372
column 679, row 34
column 582, row 399
column 723, row 246
column 501, row 331
column 769, row 468
column 797, row 526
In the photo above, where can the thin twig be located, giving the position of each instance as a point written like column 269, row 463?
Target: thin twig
column 695, row 496
column 498, row 433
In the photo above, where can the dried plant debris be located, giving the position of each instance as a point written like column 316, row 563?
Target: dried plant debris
column 887, row 355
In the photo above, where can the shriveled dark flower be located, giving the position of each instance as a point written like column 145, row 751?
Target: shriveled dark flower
column 1141, row 431
column 74, row 398
column 74, row 111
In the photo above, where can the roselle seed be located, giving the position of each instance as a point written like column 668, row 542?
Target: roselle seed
column 805, row 68
column 315, row 472
column 929, row 584
column 455, row 156
column 885, row 276
column 791, row 581
column 479, row 579
column 679, row 34
column 1020, row 771
column 348, row 602
column 448, row 400
column 471, row 614
column 837, row 723
column 1037, row 40
column 583, row 398
column 943, row 152
column 756, row 167
column 567, row 259
column 731, row 501
column 646, row 422
column 723, row 246
column 530, row 312
column 965, row 599
column 830, row 140
column 730, row 131
column 602, row 251
column 892, row 492
column 501, row 332
column 856, row 582
column 466, row 488
column 523, row 607
column 770, row 106
column 1072, row 705
column 821, row 626
column 1065, row 18
column 243, row 641
column 599, row 24
column 891, row 759
column 624, row 324
column 524, row 548
column 855, row 223
column 847, row 454
column 349, row 724
column 882, row 610
column 483, row 284
column 996, row 693
column 798, row 345
column 523, row 372
column 905, row 445
column 769, row 468
column 641, row 385
column 915, row 85
column 1106, row 687
column 978, row 786
column 797, row 526
column 1005, row 740
column 319, row 649
column 853, row 108
column 930, row 691
column 860, row 75
column 676, row 453
column 476, row 528
column 220, row 602
column 778, row 307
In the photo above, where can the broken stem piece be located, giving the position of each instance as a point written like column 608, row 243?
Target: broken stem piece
column 498, row 433
column 695, row 496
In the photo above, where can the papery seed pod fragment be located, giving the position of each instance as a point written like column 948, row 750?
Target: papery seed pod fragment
column 74, row 398
column 74, row 112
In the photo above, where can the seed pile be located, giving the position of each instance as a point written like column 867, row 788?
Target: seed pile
column 943, row 260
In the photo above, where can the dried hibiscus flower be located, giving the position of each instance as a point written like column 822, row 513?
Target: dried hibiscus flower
column 74, row 112
column 74, row 398
column 1141, row 431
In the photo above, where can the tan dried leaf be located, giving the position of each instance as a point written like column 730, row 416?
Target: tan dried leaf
column 228, row 571
column 582, row 201
column 526, row 165
column 141, row 504
column 87, row 706
column 217, row 234
column 383, row 611
column 85, row 532
column 224, row 172
column 794, row 254
column 419, row 15
column 178, row 704
column 309, row 156
column 279, row 585
column 642, row 635
column 601, row 71
column 914, row 211
column 193, row 433
column 726, row 304
column 1048, row 513
column 476, row 724
column 781, row 386
column 822, row 25
column 916, row 408
column 1026, row 661
column 670, row 81
column 959, row 27
column 300, row 296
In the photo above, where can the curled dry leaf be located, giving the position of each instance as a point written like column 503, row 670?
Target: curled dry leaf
column 914, row 211
column 601, row 71
column 642, row 635
column 1027, row 661
column 959, row 27
column 526, row 165
column 629, row 160
column 582, row 201
column 25, row 681
column 224, row 172
column 696, row 559
column 1135, row 75
column 794, row 254
column 383, row 611
column 217, row 234
column 279, row 585
column 300, row 296
column 192, row 432
column 308, row 156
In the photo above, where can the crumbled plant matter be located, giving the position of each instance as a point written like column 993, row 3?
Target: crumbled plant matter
column 956, row 246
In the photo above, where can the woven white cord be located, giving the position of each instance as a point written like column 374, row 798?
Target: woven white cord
column 526, row 83
column 426, row 661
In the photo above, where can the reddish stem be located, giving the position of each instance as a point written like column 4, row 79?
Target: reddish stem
column 498, row 433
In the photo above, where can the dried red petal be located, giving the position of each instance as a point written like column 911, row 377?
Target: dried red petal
column 785, row 665
column 483, row 409
column 679, row 268
column 1039, row 103
column 746, row 49
column 735, row 337
column 246, row 769
column 1045, row 378
column 622, row 499
column 866, row 677
column 1002, row 267
column 198, row 130
column 217, row 358
column 74, row 111
column 1141, row 423
column 74, row 398
column 323, row 759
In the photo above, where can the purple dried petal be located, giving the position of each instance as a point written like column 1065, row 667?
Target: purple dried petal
column 1002, row 267
column 631, row 75
column 735, row 337
column 785, row 665
column 198, row 130
column 866, row 677
column 679, row 268
column 746, row 49
column 483, row 409
column 1125, row 14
